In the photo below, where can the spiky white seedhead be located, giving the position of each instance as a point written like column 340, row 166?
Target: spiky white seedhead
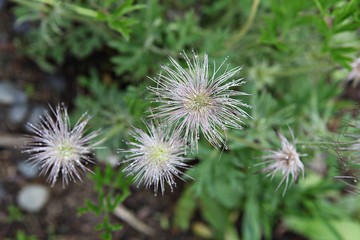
column 194, row 102
column 156, row 156
column 285, row 161
column 55, row 147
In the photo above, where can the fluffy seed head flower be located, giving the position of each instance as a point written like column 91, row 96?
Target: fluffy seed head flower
column 156, row 156
column 195, row 102
column 286, row 161
column 55, row 147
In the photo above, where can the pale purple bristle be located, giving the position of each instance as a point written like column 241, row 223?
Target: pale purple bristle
column 56, row 148
column 196, row 103
column 156, row 156
column 285, row 161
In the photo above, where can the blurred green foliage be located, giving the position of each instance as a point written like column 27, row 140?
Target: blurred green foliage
column 112, row 188
column 293, row 53
column 14, row 214
column 20, row 235
column 72, row 28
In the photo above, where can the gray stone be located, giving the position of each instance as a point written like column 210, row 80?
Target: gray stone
column 33, row 197
column 17, row 113
column 10, row 95
column 27, row 169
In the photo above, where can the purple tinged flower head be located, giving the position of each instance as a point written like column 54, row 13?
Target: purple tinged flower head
column 285, row 161
column 156, row 156
column 195, row 101
column 55, row 147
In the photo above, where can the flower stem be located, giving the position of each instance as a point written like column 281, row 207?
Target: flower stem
column 246, row 27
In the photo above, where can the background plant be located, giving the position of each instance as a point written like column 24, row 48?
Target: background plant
column 294, row 54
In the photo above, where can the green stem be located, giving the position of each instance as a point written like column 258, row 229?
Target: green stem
column 318, row 4
column 326, row 143
column 247, row 25
column 245, row 142
column 114, row 131
column 302, row 70
column 72, row 7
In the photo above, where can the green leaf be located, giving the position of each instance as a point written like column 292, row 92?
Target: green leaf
column 185, row 208
column 313, row 228
column 345, row 11
column 116, row 227
column 251, row 222
column 121, row 27
column 215, row 214
column 126, row 8
column 92, row 207
column 346, row 27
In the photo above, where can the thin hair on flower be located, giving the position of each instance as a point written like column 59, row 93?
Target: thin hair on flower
column 285, row 161
column 57, row 148
column 156, row 156
column 194, row 101
column 348, row 157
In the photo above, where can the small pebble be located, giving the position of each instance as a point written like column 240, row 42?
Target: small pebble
column 33, row 197
column 17, row 113
column 10, row 95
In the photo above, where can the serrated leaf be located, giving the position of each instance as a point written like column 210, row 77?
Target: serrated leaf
column 344, row 12
column 121, row 27
column 92, row 207
column 347, row 27
column 126, row 8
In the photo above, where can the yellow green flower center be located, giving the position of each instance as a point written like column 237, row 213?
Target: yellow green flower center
column 159, row 154
column 198, row 102
column 66, row 151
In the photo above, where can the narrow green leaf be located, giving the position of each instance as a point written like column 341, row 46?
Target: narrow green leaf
column 313, row 228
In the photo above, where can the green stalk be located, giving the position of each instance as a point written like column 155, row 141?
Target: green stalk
column 247, row 25
column 72, row 7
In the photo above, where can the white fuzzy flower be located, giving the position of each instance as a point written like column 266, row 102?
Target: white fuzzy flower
column 285, row 161
column 56, row 148
column 156, row 156
column 354, row 75
column 194, row 102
